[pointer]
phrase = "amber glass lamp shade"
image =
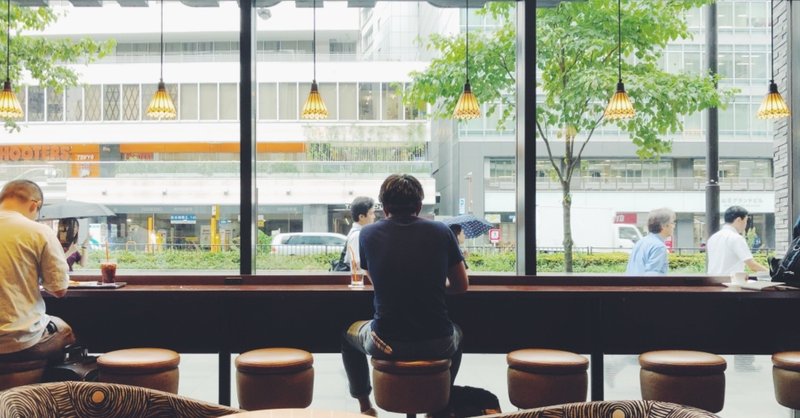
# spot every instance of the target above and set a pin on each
(161, 106)
(314, 107)
(620, 106)
(467, 106)
(773, 106)
(9, 105)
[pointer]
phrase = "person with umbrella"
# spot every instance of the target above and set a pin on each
(68, 229)
(29, 250)
(458, 231)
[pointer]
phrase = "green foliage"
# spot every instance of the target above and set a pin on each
(45, 60)
(617, 262)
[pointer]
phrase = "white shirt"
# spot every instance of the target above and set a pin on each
(28, 250)
(727, 251)
(352, 245)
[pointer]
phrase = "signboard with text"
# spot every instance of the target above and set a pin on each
(494, 235)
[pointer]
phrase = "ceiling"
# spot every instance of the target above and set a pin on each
(265, 3)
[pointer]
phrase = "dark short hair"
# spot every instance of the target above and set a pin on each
(401, 194)
(23, 190)
(360, 206)
(456, 228)
(658, 219)
(733, 213)
(68, 231)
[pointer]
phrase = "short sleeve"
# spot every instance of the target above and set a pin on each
(741, 249)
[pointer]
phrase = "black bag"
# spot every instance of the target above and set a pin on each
(339, 264)
(77, 365)
(787, 269)
(467, 401)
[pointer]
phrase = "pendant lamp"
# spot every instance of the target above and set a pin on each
(773, 106)
(620, 106)
(467, 106)
(9, 105)
(161, 106)
(314, 108)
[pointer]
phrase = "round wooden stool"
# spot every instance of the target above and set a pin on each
(411, 387)
(271, 378)
(786, 378)
(20, 373)
(541, 377)
(154, 368)
(692, 378)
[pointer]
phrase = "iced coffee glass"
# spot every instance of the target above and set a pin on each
(108, 271)
(357, 279)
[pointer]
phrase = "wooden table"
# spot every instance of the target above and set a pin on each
(582, 314)
(296, 413)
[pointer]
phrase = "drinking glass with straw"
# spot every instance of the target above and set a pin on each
(356, 277)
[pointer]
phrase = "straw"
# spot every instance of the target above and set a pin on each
(353, 265)
(107, 256)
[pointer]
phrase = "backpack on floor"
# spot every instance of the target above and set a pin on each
(77, 365)
(787, 269)
(467, 401)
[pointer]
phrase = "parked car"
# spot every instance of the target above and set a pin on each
(307, 243)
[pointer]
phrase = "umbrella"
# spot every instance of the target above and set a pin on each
(74, 209)
(472, 225)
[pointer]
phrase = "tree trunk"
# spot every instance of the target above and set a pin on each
(566, 205)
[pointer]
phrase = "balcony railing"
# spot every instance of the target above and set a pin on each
(658, 183)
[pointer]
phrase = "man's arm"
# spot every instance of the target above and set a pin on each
(457, 279)
(657, 263)
(754, 265)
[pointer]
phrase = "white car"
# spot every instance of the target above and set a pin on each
(307, 243)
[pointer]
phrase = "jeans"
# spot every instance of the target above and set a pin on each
(57, 335)
(359, 341)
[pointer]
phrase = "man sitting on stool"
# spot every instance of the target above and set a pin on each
(28, 249)
(412, 262)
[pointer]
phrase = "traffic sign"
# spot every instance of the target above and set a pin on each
(494, 235)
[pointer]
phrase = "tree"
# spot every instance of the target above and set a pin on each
(576, 55)
(45, 61)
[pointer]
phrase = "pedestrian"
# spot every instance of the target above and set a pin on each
(30, 254)
(727, 249)
(412, 263)
(649, 255)
(363, 212)
(68, 229)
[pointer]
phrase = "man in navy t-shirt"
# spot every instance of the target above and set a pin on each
(412, 263)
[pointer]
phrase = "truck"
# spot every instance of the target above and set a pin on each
(593, 230)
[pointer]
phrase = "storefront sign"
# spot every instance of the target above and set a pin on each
(35, 152)
(183, 219)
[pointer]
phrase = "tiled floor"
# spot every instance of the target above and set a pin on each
(749, 392)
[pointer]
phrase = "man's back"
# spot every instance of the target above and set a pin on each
(726, 251)
(408, 259)
(28, 250)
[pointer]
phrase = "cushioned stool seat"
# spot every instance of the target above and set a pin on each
(786, 378)
(692, 378)
(154, 368)
(541, 377)
(19, 373)
(411, 387)
(271, 378)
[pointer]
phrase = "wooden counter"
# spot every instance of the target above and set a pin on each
(584, 314)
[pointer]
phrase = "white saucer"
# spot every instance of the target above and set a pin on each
(752, 285)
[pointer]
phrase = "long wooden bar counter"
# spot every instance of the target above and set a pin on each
(584, 314)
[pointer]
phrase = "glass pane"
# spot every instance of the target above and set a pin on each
(267, 101)
(287, 101)
(74, 107)
(189, 104)
(228, 101)
(35, 104)
(111, 99)
(130, 102)
(55, 105)
(93, 102)
(348, 101)
(368, 95)
(392, 108)
(208, 101)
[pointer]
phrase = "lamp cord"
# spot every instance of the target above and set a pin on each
(8, 40)
(314, 41)
(772, 40)
(162, 41)
(467, 36)
(619, 39)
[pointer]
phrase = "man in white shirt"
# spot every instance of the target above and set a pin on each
(28, 251)
(363, 211)
(727, 249)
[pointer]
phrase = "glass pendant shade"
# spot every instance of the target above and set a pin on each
(467, 106)
(161, 106)
(620, 106)
(314, 107)
(773, 106)
(9, 105)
